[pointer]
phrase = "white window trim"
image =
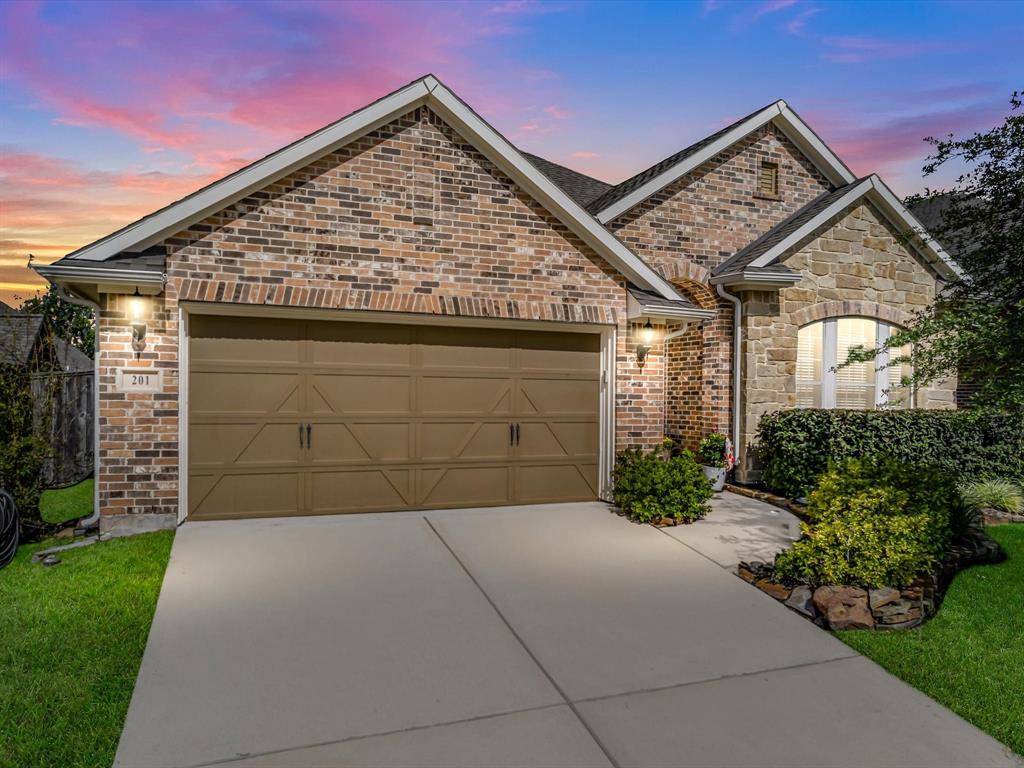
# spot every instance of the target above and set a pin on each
(830, 363)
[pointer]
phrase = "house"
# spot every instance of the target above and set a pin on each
(26, 341)
(404, 311)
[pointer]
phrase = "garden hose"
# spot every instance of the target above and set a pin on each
(8, 528)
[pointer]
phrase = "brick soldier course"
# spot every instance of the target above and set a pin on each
(413, 216)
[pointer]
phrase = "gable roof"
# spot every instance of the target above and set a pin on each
(761, 258)
(429, 91)
(19, 334)
(633, 191)
(580, 187)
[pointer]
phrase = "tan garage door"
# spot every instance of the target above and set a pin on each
(292, 417)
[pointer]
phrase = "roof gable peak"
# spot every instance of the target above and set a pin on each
(630, 193)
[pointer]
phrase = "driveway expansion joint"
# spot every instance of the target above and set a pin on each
(529, 651)
(347, 739)
(706, 680)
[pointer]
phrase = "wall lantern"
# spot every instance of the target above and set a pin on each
(647, 337)
(137, 312)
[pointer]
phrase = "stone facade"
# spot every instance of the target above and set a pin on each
(409, 218)
(854, 265)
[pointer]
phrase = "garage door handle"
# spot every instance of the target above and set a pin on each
(300, 436)
(517, 434)
(511, 434)
(309, 435)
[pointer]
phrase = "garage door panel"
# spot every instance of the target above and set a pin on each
(556, 482)
(548, 351)
(244, 444)
(360, 490)
(355, 345)
(235, 394)
(557, 397)
(558, 439)
(244, 495)
(225, 340)
(466, 348)
(461, 486)
(450, 441)
(362, 442)
(360, 394)
(465, 395)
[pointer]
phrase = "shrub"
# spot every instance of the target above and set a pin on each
(711, 450)
(874, 522)
(648, 487)
(796, 446)
(993, 494)
(22, 452)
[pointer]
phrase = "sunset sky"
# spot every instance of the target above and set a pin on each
(111, 110)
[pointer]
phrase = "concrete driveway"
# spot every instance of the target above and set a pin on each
(557, 635)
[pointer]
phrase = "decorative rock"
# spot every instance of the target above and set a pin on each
(900, 612)
(801, 600)
(773, 588)
(880, 597)
(746, 574)
(844, 607)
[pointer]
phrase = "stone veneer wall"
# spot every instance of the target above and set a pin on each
(685, 231)
(855, 265)
(409, 218)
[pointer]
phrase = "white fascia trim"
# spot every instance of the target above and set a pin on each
(797, 131)
(891, 208)
(756, 281)
(178, 216)
(667, 313)
(686, 165)
(898, 214)
(99, 275)
(498, 150)
(797, 235)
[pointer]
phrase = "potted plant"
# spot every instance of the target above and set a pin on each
(715, 452)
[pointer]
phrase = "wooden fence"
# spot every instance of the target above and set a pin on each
(72, 425)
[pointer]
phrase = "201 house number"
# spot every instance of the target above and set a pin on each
(135, 380)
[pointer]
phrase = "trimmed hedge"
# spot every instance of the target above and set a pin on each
(796, 446)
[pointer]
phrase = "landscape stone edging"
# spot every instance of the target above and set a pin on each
(840, 606)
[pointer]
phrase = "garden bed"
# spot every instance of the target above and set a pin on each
(844, 606)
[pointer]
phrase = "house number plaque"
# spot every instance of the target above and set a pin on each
(140, 380)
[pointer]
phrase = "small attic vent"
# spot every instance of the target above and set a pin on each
(768, 180)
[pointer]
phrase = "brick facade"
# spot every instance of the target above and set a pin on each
(854, 265)
(409, 218)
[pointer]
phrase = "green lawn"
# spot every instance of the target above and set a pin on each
(970, 657)
(63, 504)
(71, 639)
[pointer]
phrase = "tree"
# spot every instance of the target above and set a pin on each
(975, 327)
(68, 321)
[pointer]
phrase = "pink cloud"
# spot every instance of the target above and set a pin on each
(527, 7)
(796, 25)
(773, 6)
(558, 113)
(583, 155)
(856, 50)
(886, 146)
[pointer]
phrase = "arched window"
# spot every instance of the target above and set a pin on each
(821, 346)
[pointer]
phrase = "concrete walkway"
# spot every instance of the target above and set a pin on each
(558, 635)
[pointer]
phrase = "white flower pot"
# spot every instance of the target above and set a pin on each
(717, 477)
